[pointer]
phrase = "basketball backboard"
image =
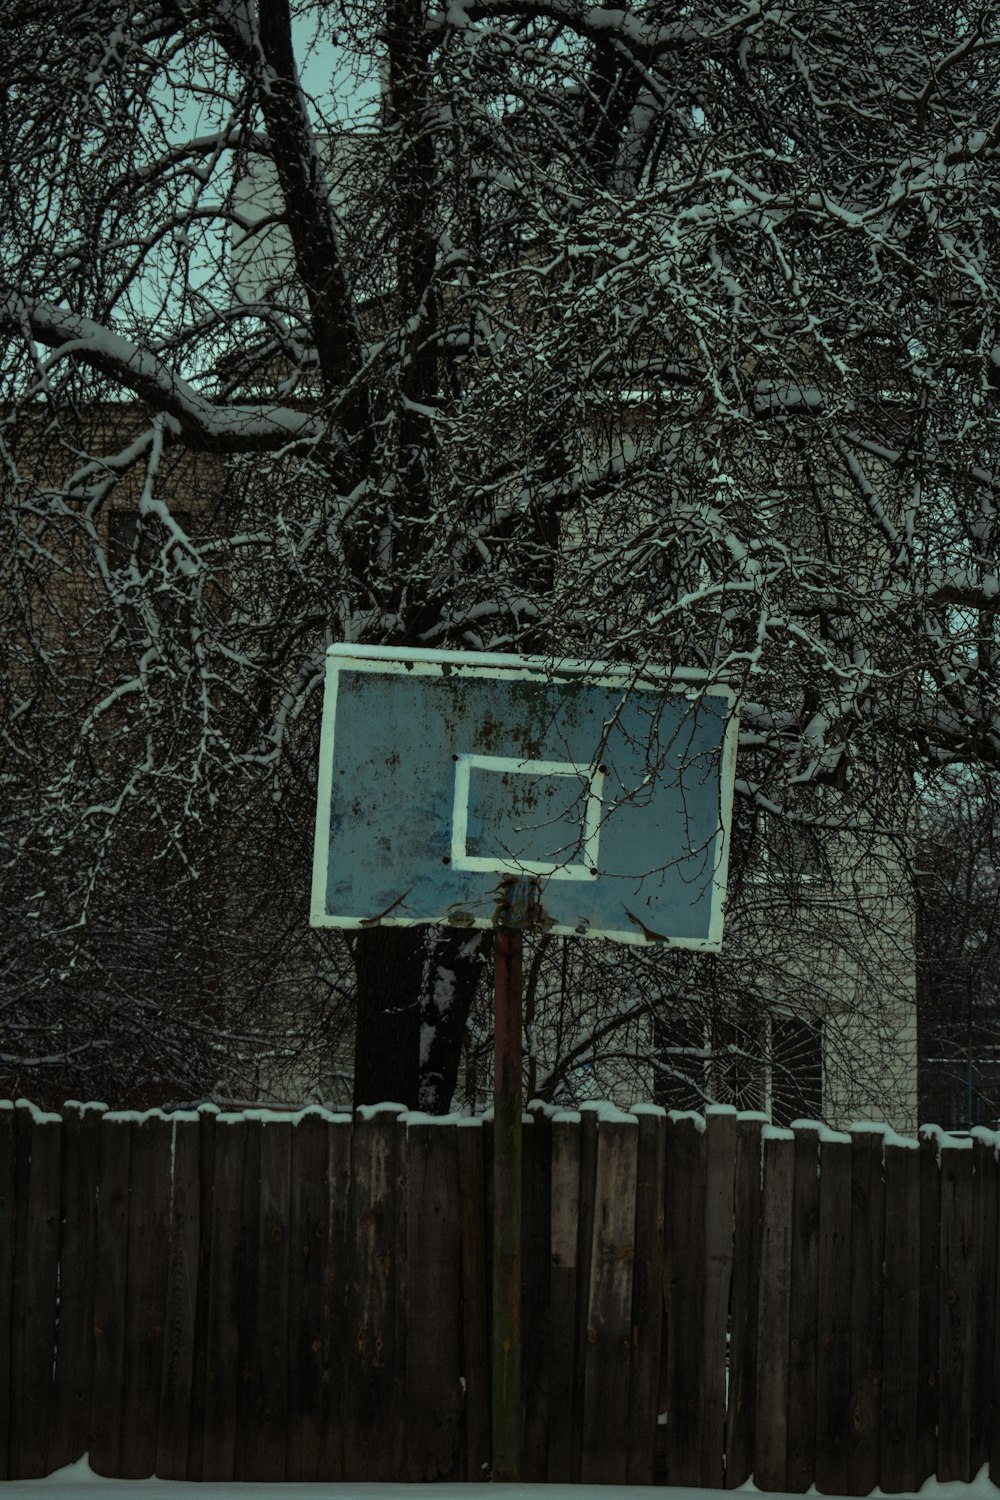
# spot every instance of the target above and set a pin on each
(440, 772)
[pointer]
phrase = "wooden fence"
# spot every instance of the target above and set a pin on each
(212, 1296)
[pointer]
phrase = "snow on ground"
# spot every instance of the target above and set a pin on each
(67, 1485)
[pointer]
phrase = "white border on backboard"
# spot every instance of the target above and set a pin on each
(591, 777)
(502, 667)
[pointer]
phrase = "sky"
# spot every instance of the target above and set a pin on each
(325, 72)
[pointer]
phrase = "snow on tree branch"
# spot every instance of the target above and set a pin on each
(244, 429)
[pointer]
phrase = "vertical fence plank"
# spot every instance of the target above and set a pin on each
(604, 1454)
(308, 1332)
(23, 1129)
(741, 1416)
(958, 1314)
(536, 1252)
(110, 1294)
(372, 1427)
(335, 1304)
(184, 1233)
(396, 1413)
(803, 1313)
(272, 1330)
(248, 1388)
(985, 1235)
(833, 1350)
(475, 1332)
(867, 1254)
(584, 1249)
(993, 1447)
(563, 1282)
(901, 1320)
(774, 1306)
(77, 1265)
(433, 1341)
(647, 1297)
(148, 1266)
(930, 1308)
(10, 1210)
(264, 1337)
(720, 1158)
(207, 1116)
(222, 1334)
(684, 1258)
(36, 1290)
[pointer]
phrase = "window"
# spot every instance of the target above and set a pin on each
(771, 1063)
(795, 1069)
(681, 1057)
(788, 851)
(737, 1068)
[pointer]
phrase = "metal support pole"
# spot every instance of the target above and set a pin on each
(507, 1410)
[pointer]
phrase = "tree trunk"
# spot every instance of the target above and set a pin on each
(415, 987)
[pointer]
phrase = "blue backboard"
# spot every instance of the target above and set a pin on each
(440, 772)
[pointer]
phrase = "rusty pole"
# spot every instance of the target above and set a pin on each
(514, 911)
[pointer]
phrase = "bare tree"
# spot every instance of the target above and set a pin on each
(958, 950)
(641, 334)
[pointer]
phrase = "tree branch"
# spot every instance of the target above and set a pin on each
(206, 427)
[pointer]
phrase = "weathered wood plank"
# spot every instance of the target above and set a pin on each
(401, 1301)
(248, 1273)
(535, 1260)
(222, 1335)
(833, 1350)
(207, 1115)
(23, 1131)
(10, 1210)
(741, 1416)
(684, 1260)
(475, 1330)
(74, 1373)
(901, 1320)
(308, 1329)
(335, 1305)
(584, 1248)
(433, 1262)
(184, 1232)
(800, 1467)
(264, 1338)
(993, 1448)
(720, 1161)
(647, 1297)
(985, 1237)
(956, 1361)
(110, 1299)
(930, 1308)
(604, 1456)
(563, 1281)
(36, 1290)
(146, 1281)
(774, 1310)
(373, 1432)
(867, 1254)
